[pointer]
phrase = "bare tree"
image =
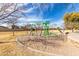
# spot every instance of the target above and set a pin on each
(12, 22)
(6, 10)
(10, 13)
(39, 27)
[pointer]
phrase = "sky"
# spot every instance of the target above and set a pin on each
(53, 12)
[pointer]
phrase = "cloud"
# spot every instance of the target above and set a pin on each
(28, 10)
(74, 8)
(24, 21)
(4, 25)
(58, 23)
(30, 19)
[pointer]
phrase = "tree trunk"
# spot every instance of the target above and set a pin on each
(41, 31)
(72, 30)
(13, 33)
(13, 29)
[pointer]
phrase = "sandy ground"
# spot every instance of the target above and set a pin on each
(12, 49)
(68, 48)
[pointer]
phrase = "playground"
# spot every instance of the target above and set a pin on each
(39, 29)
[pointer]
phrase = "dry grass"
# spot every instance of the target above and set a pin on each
(8, 48)
(8, 36)
(11, 49)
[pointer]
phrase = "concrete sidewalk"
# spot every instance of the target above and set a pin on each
(74, 36)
